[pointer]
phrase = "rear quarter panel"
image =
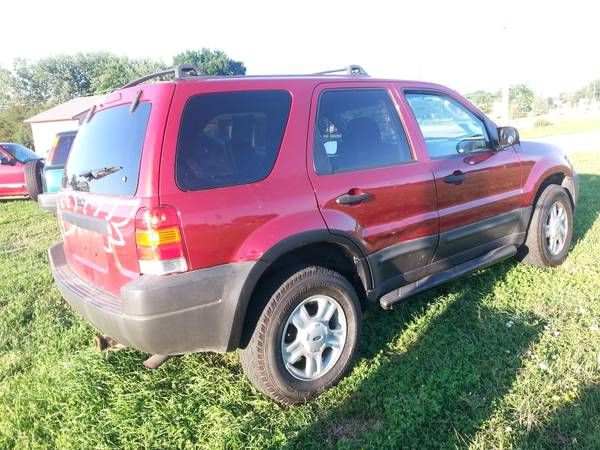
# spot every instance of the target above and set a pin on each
(240, 223)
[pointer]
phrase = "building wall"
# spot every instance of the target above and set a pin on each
(44, 133)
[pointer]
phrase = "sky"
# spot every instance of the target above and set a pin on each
(467, 45)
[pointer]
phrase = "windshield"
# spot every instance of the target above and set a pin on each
(20, 153)
(105, 156)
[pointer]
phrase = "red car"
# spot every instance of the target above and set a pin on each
(14, 159)
(264, 213)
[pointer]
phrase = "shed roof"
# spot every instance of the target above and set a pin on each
(70, 110)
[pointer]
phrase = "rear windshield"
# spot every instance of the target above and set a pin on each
(105, 157)
(230, 138)
(61, 151)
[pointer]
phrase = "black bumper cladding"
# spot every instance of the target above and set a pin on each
(168, 315)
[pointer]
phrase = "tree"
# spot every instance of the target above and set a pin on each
(211, 62)
(59, 78)
(540, 105)
(484, 100)
(521, 100)
(8, 92)
(12, 128)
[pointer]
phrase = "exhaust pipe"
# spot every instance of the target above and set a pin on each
(155, 361)
(102, 342)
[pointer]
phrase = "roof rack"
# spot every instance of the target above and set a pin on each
(183, 71)
(353, 70)
(180, 72)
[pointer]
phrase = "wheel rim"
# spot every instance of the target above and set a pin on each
(313, 337)
(556, 227)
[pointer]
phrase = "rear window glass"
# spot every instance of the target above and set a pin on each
(230, 138)
(105, 157)
(61, 151)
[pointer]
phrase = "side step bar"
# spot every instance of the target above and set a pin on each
(430, 281)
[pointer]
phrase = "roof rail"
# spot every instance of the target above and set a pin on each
(181, 71)
(353, 70)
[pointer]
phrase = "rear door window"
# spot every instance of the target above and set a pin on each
(230, 138)
(358, 129)
(105, 157)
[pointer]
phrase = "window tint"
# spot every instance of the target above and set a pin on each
(448, 127)
(358, 129)
(230, 138)
(105, 157)
(61, 151)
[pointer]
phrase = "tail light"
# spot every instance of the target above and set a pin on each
(158, 239)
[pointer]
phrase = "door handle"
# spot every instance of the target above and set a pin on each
(456, 177)
(351, 199)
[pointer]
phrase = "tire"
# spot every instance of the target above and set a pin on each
(33, 178)
(538, 250)
(263, 358)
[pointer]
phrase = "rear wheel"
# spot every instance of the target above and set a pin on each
(33, 178)
(305, 338)
(551, 229)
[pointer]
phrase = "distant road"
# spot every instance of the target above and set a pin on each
(588, 141)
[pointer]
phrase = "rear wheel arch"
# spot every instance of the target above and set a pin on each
(317, 247)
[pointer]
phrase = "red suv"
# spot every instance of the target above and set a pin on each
(264, 213)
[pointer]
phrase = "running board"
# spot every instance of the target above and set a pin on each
(430, 281)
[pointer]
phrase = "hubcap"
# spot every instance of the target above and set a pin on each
(313, 337)
(556, 227)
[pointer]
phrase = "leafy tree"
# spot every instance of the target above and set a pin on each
(12, 128)
(540, 105)
(211, 62)
(521, 100)
(60, 78)
(484, 100)
(8, 92)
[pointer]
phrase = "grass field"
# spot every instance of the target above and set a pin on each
(564, 125)
(509, 357)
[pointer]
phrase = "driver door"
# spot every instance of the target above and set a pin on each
(478, 188)
(12, 181)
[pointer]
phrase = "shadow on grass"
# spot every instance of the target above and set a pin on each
(437, 391)
(588, 205)
(574, 426)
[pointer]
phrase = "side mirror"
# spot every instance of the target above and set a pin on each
(4, 161)
(507, 136)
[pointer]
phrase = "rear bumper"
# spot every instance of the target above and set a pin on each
(168, 315)
(47, 202)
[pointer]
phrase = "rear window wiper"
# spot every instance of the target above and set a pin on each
(96, 174)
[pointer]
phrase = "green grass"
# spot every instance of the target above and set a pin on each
(509, 357)
(563, 126)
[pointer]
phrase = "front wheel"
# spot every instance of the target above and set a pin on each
(306, 337)
(551, 229)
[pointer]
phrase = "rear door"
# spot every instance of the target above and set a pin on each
(369, 183)
(478, 188)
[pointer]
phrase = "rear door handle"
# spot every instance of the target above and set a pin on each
(351, 199)
(456, 177)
